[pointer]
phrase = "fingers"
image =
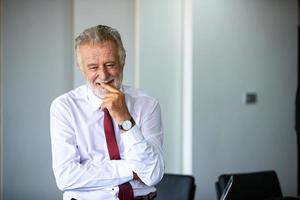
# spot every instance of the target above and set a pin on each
(112, 96)
(107, 101)
(114, 102)
(109, 88)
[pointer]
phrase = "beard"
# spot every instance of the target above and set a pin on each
(98, 90)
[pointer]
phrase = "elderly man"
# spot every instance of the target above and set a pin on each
(106, 137)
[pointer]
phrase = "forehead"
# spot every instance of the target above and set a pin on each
(93, 51)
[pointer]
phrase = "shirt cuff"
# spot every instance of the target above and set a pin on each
(133, 136)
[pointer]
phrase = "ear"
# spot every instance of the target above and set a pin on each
(122, 66)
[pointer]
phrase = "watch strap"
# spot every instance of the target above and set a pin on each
(132, 124)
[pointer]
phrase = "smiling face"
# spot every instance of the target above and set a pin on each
(100, 63)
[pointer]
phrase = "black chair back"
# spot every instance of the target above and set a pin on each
(176, 187)
(249, 186)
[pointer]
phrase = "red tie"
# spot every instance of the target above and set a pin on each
(125, 189)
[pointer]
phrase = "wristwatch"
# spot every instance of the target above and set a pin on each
(127, 124)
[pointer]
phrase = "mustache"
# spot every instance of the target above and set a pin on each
(104, 81)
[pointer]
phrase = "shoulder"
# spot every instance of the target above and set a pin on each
(142, 107)
(69, 98)
(140, 101)
(138, 94)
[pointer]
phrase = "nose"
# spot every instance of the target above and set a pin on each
(102, 73)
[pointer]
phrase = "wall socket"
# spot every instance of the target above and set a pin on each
(250, 98)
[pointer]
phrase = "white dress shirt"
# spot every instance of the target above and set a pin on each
(81, 163)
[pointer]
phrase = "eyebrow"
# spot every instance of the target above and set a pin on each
(91, 64)
(110, 62)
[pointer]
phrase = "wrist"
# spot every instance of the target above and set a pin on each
(122, 117)
(127, 124)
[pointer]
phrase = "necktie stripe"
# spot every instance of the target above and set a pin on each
(110, 136)
(125, 189)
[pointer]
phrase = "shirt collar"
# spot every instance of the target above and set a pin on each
(93, 99)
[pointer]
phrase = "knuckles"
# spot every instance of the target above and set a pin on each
(115, 102)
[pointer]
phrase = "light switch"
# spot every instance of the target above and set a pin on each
(250, 98)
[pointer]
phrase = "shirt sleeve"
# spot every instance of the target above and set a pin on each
(71, 173)
(143, 147)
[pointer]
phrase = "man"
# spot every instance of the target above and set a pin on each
(92, 158)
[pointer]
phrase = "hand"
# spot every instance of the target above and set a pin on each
(114, 102)
(136, 177)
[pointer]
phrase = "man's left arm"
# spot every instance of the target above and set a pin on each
(143, 147)
(143, 142)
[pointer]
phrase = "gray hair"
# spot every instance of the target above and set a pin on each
(100, 34)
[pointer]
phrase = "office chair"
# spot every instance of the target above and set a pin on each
(250, 186)
(176, 187)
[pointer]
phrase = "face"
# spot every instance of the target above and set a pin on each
(100, 63)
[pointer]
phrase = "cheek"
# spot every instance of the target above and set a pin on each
(90, 76)
(117, 74)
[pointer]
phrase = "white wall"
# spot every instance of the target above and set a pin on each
(242, 46)
(37, 67)
(160, 69)
(118, 14)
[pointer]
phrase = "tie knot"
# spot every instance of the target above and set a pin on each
(105, 111)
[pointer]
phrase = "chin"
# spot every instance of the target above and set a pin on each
(97, 90)
(99, 93)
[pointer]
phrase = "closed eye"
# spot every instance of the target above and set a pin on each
(92, 67)
(110, 65)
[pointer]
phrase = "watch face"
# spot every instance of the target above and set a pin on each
(126, 125)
